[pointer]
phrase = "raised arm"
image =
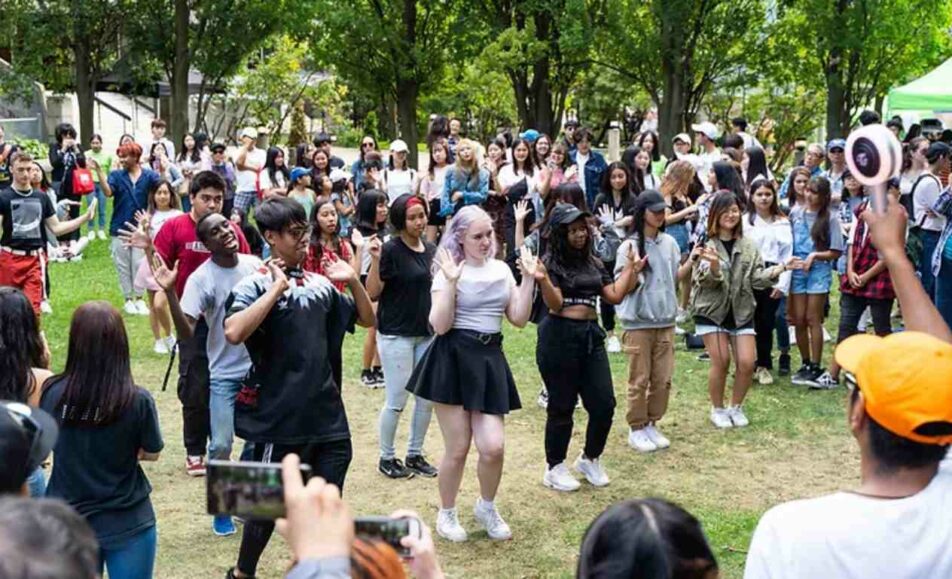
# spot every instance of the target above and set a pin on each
(520, 301)
(165, 277)
(443, 307)
(240, 326)
(374, 283)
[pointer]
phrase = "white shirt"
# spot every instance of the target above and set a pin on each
(482, 296)
(707, 161)
(581, 160)
(246, 180)
(399, 182)
(923, 198)
(264, 180)
(775, 242)
(847, 535)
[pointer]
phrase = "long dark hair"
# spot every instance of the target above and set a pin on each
(606, 183)
(638, 230)
(728, 179)
(98, 375)
(195, 156)
(820, 232)
(774, 203)
(561, 257)
(723, 200)
(367, 210)
(645, 538)
(636, 180)
(21, 347)
(528, 166)
(756, 166)
(572, 194)
(44, 179)
(316, 233)
(271, 166)
(656, 149)
(173, 197)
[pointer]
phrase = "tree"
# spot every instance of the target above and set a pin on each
(862, 48)
(679, 50)
(395, 48)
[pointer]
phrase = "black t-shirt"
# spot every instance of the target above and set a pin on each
(625, 209)
(96, 470)
(24, 215)
(580, 285)
(405, 302)
(290, 396)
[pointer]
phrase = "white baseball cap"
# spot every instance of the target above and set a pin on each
(706, 128)
(683, 137)
(249, 132)
(399, 146)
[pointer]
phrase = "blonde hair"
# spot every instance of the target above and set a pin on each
(677, 180)
(471, 167)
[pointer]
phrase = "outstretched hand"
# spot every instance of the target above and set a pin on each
(276, 267)
(134, 236)
(164, 276)
(339, 271)
(530, 264)
(451, 270)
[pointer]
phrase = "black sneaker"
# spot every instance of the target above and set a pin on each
(377, 373)
(803, 375)
(705, 357)
(231, 574)
(784, 365)
(393, 468)
(418, 464)
(368, 379)
(824, 381)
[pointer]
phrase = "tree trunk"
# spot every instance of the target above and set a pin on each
(179, 80)
(835, 103)
(674, 61)
(407, 93)
(85, 92)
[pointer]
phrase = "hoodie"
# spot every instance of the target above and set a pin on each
(654, 303)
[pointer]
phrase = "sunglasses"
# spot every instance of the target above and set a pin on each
(364, 145)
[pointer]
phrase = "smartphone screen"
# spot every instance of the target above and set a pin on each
(388, 530)
(252, 490)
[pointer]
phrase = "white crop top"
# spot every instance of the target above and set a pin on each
(482, 295)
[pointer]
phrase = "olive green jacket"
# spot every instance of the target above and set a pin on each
(741, 273)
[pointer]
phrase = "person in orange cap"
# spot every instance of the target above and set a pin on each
(898, 522)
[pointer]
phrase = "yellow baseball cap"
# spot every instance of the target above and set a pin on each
(906, 381)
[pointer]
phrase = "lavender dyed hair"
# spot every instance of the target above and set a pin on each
(453, 236)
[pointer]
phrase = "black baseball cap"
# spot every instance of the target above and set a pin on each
(650, 200)
(565, 213)
(217, 148)
(322, 138)
(27, 436)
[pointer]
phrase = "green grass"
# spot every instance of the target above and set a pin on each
(797, 446)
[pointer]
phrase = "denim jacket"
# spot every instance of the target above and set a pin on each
(594, 169)
(943, 206)
(457, 181)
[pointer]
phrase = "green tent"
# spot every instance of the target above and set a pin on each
(932, 92)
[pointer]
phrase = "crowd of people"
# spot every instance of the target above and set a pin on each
(241, 254)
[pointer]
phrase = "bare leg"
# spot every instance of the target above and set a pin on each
(745, 351)
(718, 347)
(160, 305)
(455, 425)
(370, 346)
(797, 315)
(489, 434)
(153, 317)
(815, 305)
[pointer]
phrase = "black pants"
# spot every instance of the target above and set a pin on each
(73, 214)
(227, 206)
(851, 310)
(608, 310)
(765, 318)
(193, 390)
(573, 362)
(328, 460)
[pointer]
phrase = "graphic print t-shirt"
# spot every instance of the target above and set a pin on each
(290, 396)
(23, 217)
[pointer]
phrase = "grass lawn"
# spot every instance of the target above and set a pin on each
(797, 446)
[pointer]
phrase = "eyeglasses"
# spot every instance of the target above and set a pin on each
(299, 232)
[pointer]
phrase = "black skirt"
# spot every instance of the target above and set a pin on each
(468, 369)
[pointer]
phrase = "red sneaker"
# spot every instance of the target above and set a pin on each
(195, 465)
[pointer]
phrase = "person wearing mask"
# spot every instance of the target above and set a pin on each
(249, 163)
(289, 402)
(399, 279)
(25, 216)
(103, 159)
(571, 352)
(591, 164)
(108, 426)
(928, 224)
(707, 134)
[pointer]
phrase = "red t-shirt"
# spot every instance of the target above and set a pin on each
(177, 241)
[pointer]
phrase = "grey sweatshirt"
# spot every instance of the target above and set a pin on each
(654, 303)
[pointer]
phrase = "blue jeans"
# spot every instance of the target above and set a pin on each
(221, 408)
(930, 239)
(36, 482)
(100, 207)
(133, 558)
(782, 327)
(399, 355)
(943, 291)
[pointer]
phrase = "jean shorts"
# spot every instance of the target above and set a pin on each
(703, 330)
(817, 281)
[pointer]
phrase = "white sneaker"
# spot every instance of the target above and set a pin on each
(560, 479)
(448, 527)
(613, 345)
(130, 308)
(763, 376)
(640, 441)
(592, 469)
(737, 416)
(92, 235)
(170, 342)
(659, 440)
(101, 235)
(160, 347)
(45, 307)
(543, 399)
(826, 335)
(679, 331)
(490, 520)
(141, 308)
(721, 418)
(683, 316)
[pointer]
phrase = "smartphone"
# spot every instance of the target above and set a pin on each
(252, 490)
(388, 530)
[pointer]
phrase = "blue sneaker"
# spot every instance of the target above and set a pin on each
(222, 525)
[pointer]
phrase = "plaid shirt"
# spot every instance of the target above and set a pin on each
(865, 257)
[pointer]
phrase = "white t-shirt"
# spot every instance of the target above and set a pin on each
(775, 242)
(846, 535)
(707, 161)
(159, 218)
(924, 197)
(206, 292)
(399, 182)
(482, 295)
(264, 181)
(246, 179)
(581, 160)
